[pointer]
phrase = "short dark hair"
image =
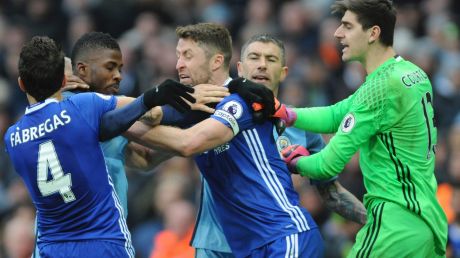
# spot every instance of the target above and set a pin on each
(266, 38)
(41, 67)
(371, 12)
(214, 38)
(92, 41)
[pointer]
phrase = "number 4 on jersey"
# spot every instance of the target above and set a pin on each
(48, 159)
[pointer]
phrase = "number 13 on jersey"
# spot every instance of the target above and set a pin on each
(48, 159)
(428, 113)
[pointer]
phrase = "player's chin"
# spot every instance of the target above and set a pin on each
(186, 81)
(111, 91)
(345, 58)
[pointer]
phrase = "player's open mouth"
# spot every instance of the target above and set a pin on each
(183, 76)
(260, 78)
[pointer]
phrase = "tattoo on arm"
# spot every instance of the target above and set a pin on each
(340, 200)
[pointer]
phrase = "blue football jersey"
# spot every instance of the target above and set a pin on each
(254, 196)
(114, 155)
(54, 148)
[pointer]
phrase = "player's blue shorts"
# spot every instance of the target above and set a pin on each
(206, 253)
(87, 249)
(308, 244)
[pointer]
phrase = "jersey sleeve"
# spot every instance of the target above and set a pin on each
(322, 119)
(99, 103)
(233, 112)
(358, 125)
(183, 120)
(315, 142)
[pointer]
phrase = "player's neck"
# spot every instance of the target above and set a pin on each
(377, 56)
(219, 78)
(57, 95)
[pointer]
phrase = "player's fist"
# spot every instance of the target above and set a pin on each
(171, 93)
(287, 115)
(291, 155)
(257, 96)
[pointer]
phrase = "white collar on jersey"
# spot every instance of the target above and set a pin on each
(40, 105)
(229, 79)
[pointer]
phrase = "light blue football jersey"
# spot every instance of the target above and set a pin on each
(255, 200)
(54, 148)
(114, 155)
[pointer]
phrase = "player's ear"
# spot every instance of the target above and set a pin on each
(21, 84)
(82, 69)
(374, 34)
(217, 61)
(284, 73)
(239, 66)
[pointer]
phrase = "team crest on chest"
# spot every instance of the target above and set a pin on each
(234, 108)
(348, 123)
(282, 142)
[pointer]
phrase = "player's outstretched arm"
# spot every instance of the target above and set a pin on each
(203, 136)
(119, 120)
(341, 201)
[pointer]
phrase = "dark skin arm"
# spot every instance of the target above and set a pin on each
(341, 201)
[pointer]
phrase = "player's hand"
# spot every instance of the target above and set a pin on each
(207, 96)
(291, 155)
(257, 96)
(285, 114)
(169, 92)
(74, 82)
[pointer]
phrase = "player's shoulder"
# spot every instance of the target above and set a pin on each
(234, 105)
(406, 73)
(232, 97)
(88, 97)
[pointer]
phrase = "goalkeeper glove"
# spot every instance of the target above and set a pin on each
(257, 96)
(291, 155)
(169, 92)
(287, 115)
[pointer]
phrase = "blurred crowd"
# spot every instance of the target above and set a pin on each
(163, 203)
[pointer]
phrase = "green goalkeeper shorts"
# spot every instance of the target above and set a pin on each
(393, 231)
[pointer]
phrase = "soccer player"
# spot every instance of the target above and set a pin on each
(55, 149)
(263, 61)
(252, 192)
(204, 52)
(389, 119)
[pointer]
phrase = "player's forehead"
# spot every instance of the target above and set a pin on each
(188, 45)
(105, 55)
(350, 17)
(263, 48)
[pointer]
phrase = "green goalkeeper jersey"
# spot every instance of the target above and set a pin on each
(390, 120)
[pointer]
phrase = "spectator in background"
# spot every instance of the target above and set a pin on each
(18, 235)
(174, 240)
